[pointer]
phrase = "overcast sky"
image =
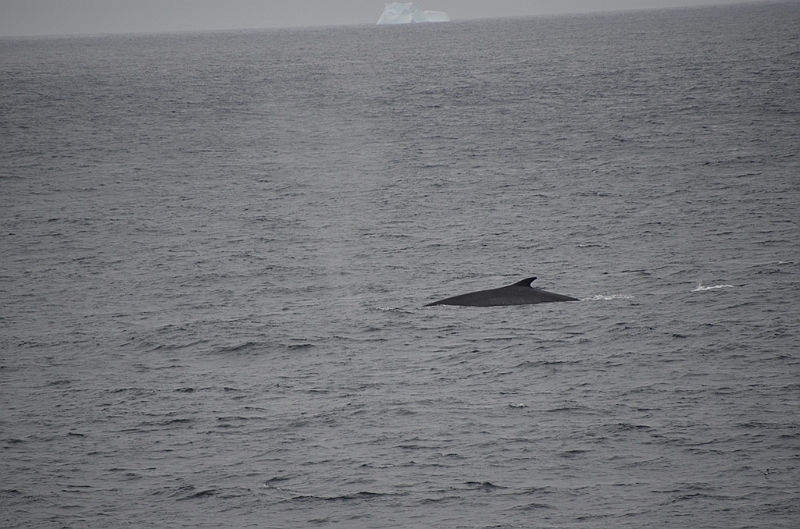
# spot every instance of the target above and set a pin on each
(63, 17)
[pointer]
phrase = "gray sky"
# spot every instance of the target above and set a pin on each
(62, 17)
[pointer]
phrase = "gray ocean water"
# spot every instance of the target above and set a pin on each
(216, 249)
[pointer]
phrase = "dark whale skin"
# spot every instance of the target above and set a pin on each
(520, 293)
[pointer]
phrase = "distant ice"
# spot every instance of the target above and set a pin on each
(406, 13)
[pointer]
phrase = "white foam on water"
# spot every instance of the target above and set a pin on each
(701, 288)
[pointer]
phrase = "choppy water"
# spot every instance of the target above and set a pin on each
(216, 248)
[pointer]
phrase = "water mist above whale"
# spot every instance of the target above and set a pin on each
(520, 293)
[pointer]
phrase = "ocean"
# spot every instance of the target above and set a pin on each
(216, 248)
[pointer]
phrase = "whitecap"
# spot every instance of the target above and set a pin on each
(604, 297)
(701, 288)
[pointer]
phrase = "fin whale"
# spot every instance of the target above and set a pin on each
(520, 293)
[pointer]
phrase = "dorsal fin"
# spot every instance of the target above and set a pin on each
(524, 282)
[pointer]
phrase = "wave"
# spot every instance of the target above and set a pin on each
(607, 297)
(701, 288)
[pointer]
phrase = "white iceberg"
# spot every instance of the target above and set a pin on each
(406, 13)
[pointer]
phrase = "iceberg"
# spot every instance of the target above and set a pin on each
(406, 13)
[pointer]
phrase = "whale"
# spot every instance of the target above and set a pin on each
(520, 293)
